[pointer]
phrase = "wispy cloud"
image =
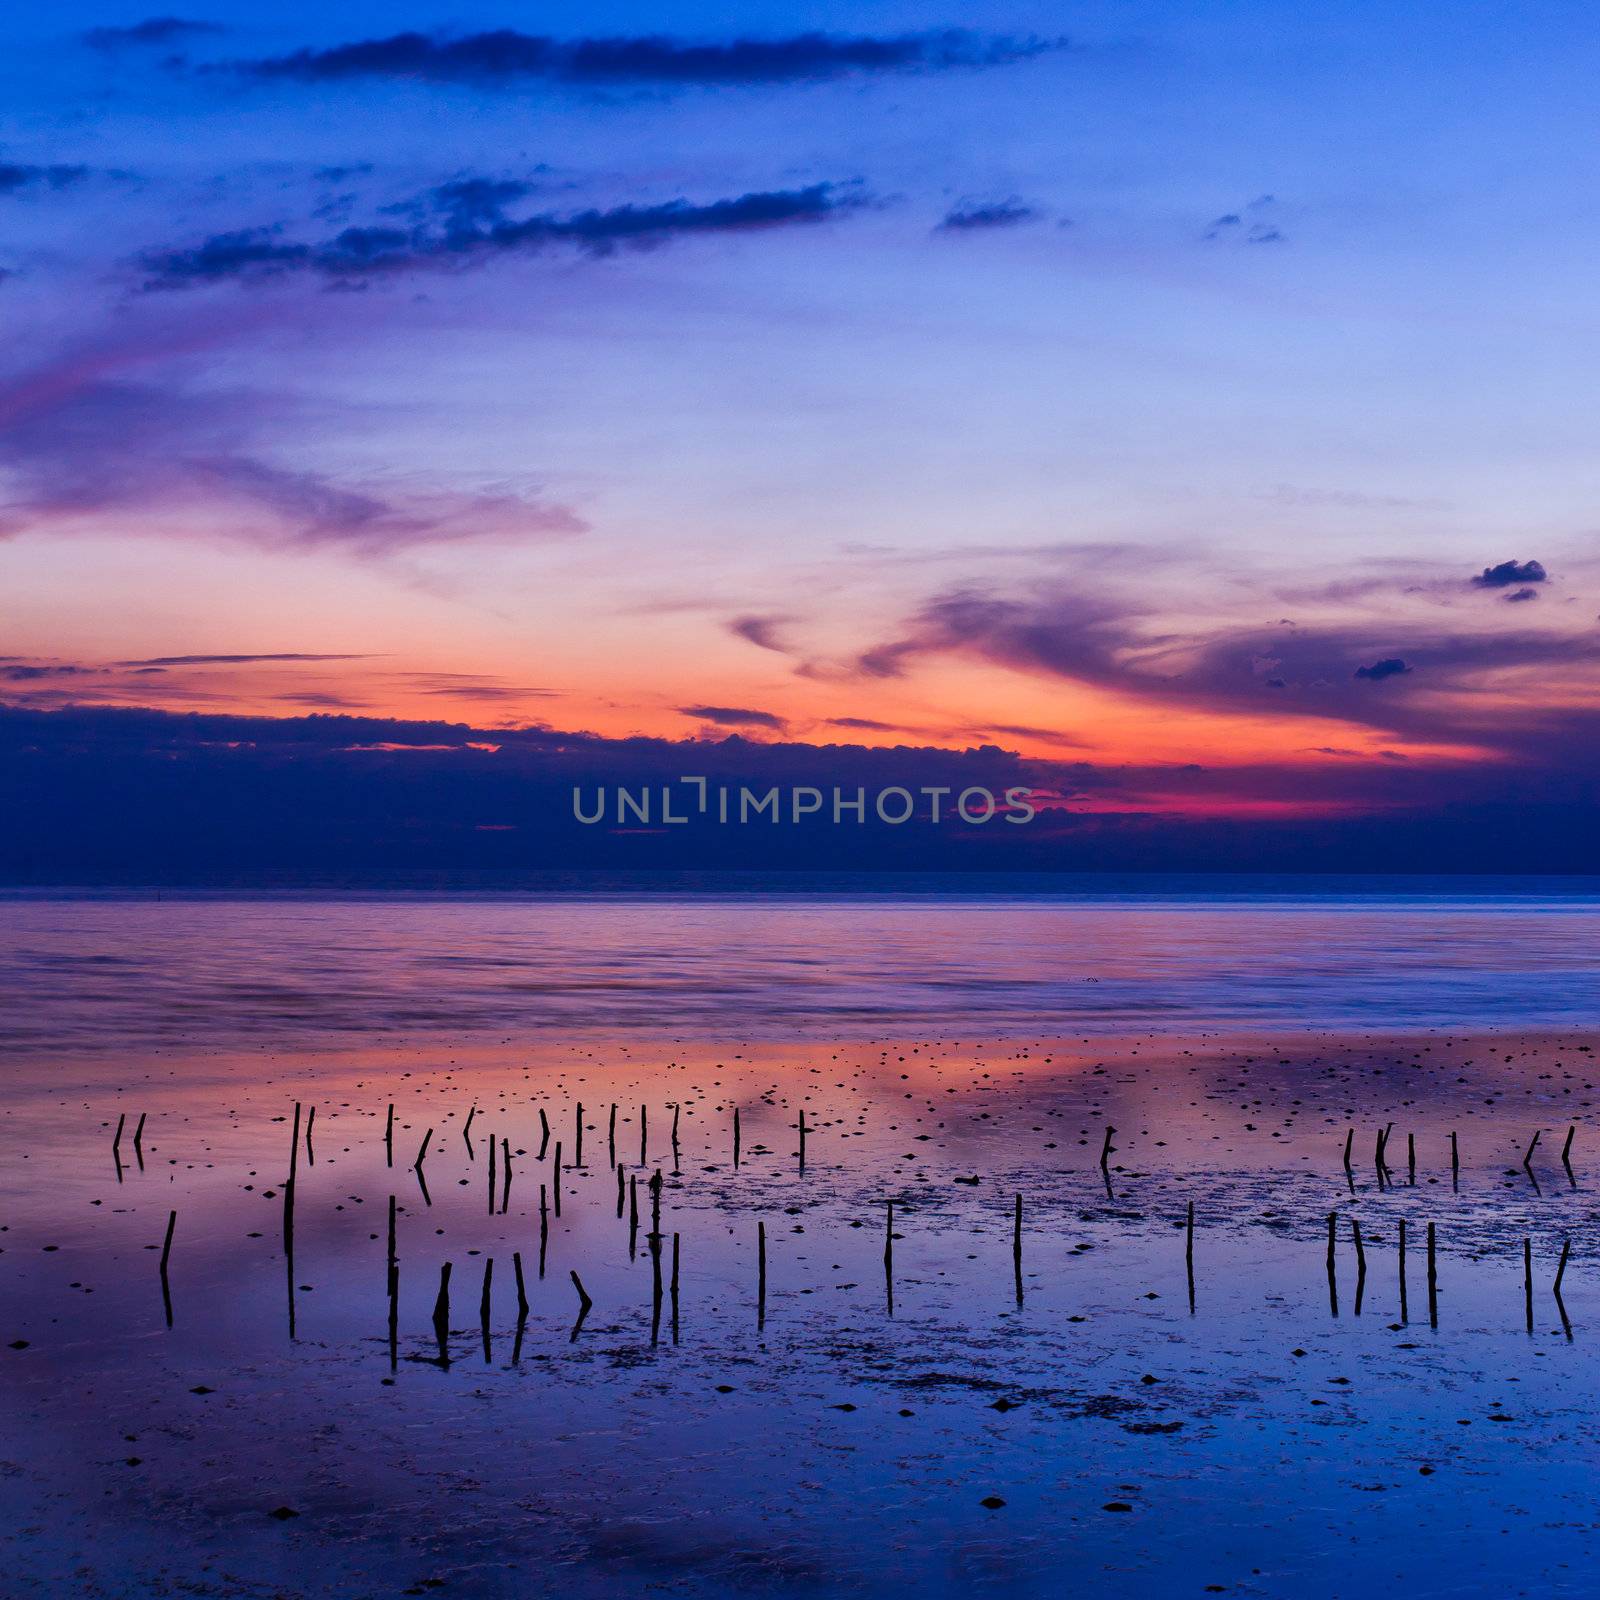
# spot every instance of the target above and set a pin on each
(478, 230)
(152, 31)
(505, 58)
(233, 661)
(977, 217)
(733, 716)
(79, 448)
(16, 177)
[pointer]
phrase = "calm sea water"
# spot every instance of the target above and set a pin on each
(103, 970)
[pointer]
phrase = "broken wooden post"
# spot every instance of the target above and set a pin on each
(674, 1288)
(1188, 1252)
(1433, 1281)
(1361, 1265)
(888, 1255)
(1405, 1315)
(441, 1315)
(1016, 1247)
(483, 1303)
(1333, 1282)
(1527, 1280)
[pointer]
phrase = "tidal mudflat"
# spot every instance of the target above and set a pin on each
(866, 1371)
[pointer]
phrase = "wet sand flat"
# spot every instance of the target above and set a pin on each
(924, 1393)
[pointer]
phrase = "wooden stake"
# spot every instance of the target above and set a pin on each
(1433, 1281)
(761, 1279)
(1404, 1308)
(888, 1255)
(1333, 1282)
(388, 1139)
(441, 1315)
(1527, 1280)
(1188, 1251)
(674, 1288)
(1016, 1247)
(1361, 1265)
(1528, 1158)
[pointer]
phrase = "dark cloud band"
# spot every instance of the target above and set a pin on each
(505, 57)
(467, 236)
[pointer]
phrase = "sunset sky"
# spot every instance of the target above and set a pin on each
(1163, 389)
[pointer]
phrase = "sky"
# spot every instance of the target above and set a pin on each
(1193, 402)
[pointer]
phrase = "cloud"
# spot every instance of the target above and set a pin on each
(1104, 622)
(864, 724)
(733, 716)
(1389, 667)
(31, 674)
(1251, 224)
(759, 631)
(199, 792)
(505, 58)
(230, 661)
(153, 31)
(1509, 573)
(16, 177)
(1521, 594)
(479, 231)
(72, 449)
(975, 218)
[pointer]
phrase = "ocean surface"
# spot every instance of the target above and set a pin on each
(95, 970)
(825, 1245)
